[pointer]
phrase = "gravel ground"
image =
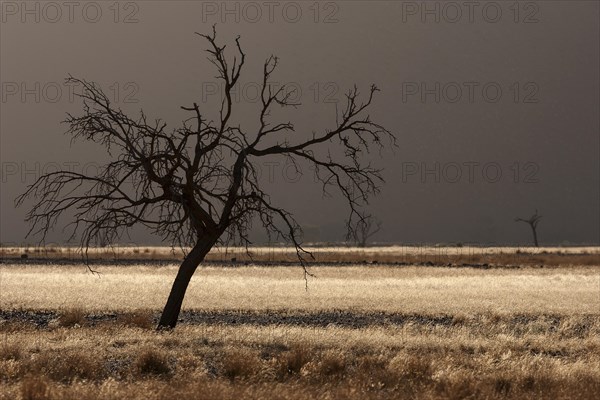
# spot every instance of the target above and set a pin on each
(346, 319)
(162, 263)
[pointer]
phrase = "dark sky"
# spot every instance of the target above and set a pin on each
(495, 106)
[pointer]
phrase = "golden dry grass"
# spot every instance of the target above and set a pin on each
(483, 356)
(499, 333)
(371, 288)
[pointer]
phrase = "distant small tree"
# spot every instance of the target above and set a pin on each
(197, 185)
(533, 223)
(365, 227)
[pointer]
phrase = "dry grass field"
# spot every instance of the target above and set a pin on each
(407, 255)
(489, 329)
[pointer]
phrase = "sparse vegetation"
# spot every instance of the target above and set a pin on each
(484, 356)
(72, 317)
(360, 332)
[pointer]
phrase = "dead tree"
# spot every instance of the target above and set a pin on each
(365, 227)
(533, 222)
(197, 186)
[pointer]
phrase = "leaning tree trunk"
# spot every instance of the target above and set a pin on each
(170, 313)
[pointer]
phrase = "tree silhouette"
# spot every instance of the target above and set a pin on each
(196, 186)
(533, 222)
(365, 227)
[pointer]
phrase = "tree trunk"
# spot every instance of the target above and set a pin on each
(170, 313)
(535, 241)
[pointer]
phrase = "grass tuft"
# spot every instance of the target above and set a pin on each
(72, 318)
(35, 388)
(240, 364)
(67, 367)
(11, 351)
(332, 363)
(152, 362)
(292, 361)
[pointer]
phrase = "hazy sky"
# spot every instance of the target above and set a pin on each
(495, 104)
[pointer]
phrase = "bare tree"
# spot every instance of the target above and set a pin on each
(533, 222)
(197, 185)
(365, 227)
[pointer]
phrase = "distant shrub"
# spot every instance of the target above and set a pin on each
(71, 318)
